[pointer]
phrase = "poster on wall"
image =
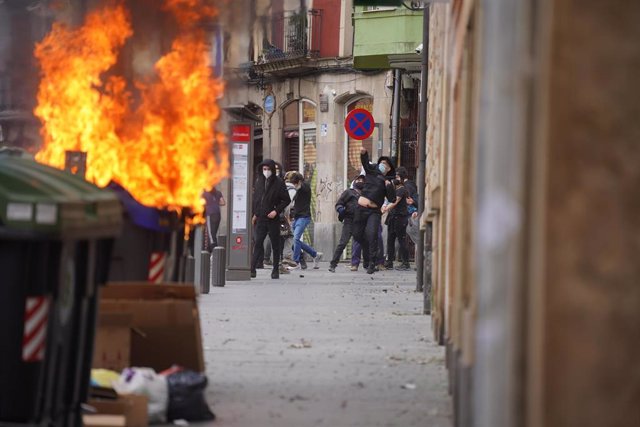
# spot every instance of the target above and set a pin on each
(240, 173)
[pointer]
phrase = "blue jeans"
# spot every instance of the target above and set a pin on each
(299, 225)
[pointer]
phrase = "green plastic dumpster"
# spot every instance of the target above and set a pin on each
(56, 233)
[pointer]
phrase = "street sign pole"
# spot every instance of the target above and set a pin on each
(422, 158)
(239, 209)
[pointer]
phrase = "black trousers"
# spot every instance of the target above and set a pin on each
(347, 231)
(397, 229)
(213, 223)
(265, 227)
(365, 230)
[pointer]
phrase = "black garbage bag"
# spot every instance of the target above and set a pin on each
(186, 397)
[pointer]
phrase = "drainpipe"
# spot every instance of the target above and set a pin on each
(395, 115)
(422, 144)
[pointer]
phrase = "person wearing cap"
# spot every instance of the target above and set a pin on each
(346, 207)
(270, 198)
(367, 219)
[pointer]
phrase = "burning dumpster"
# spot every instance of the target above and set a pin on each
(131, 92)
(56, 233)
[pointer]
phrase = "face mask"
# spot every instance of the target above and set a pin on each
(359, 185)
(382, 168)
(266, 174)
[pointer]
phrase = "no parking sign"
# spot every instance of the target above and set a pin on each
(359, 124)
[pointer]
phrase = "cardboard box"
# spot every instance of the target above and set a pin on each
(165, 319)
(113, 342)
(128, 410)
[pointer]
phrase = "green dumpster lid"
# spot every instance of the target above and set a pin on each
(36, 199)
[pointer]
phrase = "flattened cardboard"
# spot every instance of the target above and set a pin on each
(113, 341)
(132, 408)
(104, 421)
(166, 319)
(147, 291)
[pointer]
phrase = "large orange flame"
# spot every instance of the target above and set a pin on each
(166, 151)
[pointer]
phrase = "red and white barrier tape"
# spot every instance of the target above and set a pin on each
(156, 267)
(34, 337)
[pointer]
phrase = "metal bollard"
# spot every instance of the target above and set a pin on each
(190, 269)
(218, 266)
(205, 271)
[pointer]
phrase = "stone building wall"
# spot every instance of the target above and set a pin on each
(330, 180)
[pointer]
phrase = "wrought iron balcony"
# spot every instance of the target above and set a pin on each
(293, 35)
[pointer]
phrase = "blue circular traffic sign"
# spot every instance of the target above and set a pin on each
(359, 124)
(269, 104)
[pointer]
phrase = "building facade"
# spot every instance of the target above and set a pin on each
(305, 66)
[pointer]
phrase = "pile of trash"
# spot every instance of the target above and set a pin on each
(173, 395)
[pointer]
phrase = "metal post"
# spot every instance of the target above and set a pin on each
(205, 272)
(395, 114)
(422, 143)
(428, 265)
(190, 266)
(218, 266)
(198, 244)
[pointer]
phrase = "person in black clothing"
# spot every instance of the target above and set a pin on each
(270, 198)
(368, 214)
(397, 220)
(302, 218)
(411, 187)
(346, 207)
(213, 201)
(267, 242)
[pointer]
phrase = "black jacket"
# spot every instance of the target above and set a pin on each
(269, 194)
(302, 201)
(412, 189)
(376, 185)
(349, 201)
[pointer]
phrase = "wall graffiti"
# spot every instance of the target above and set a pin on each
(326, 191)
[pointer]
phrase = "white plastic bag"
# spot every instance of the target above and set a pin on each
(145, 381)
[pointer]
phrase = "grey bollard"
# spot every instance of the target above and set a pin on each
(218, 266)
(190, 269)
(205, 271)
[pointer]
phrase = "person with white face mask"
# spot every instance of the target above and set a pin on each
(367, 218)
(270, 198)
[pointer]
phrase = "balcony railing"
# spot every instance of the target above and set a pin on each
(293, 35)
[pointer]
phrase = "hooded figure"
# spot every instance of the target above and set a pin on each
(270, 198)
(270, 192)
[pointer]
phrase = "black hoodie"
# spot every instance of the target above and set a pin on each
(349, 202)
(269, 194)
(376, 185)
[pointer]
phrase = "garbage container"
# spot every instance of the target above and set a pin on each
(56, 232)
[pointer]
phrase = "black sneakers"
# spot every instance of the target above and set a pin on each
(332, 268)
(371, 269)
(253, 274)
(275, 274)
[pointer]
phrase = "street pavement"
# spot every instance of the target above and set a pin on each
(316, 348)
